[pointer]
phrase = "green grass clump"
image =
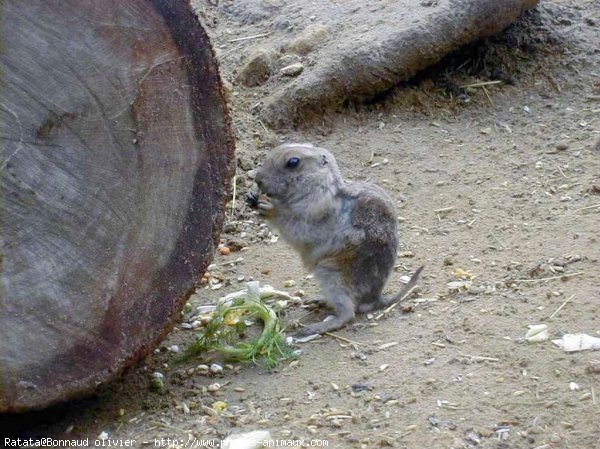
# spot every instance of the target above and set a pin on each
(226, 331)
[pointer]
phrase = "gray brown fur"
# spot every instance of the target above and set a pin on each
(345, 232)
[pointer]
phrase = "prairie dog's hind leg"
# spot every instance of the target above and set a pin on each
(337, 298)
(317, 301)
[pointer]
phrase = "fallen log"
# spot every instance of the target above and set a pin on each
(374, 52)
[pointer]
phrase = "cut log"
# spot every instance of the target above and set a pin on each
(115, 164)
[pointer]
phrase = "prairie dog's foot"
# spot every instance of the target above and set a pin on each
(342, 306)
(323, 327)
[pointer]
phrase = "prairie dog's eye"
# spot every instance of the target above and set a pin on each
(293, 162)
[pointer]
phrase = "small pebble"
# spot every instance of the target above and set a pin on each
(358, 355)
(585, 396)
(289, 283)
(503, 435)
(248, 440)
(472, 436)
(292, 69)
(174, 348)
(215, 368)
(103, 435)
(486, 433)
(224, 250)
(214, 387)
(312, 37)
(256, 69)
(573, 386)
(554, 438)
(157, 383)
(219, 406)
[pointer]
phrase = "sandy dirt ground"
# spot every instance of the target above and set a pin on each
(495, 185)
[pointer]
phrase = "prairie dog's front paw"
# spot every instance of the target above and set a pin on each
(265, 206)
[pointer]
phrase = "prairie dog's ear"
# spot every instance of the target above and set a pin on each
(324, 160)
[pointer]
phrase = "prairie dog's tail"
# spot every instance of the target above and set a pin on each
(386, 301)
(405, 290)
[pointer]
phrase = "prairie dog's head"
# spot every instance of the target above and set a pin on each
(294, 170)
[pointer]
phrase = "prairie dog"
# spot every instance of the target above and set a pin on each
(345, 232)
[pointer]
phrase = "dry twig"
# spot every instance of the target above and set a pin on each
(234, 195)
(588, 207)
(561, 306)
(444, 209)
(485, 91)
(481, 84)
(551, 278)
(479, 357)
(345, 340)
(254, 36)
(393, 306)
